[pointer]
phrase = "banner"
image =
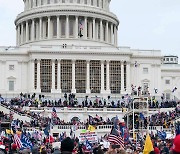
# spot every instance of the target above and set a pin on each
(90, 136)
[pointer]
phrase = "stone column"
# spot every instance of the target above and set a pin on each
(49, 27)
(76, 27)
(128, 82)
(16, 35)
(73, 77)
(115, 35)
(88, 77)
(22, 33)
(59, 76)
(122, 77)
(94, 29)
(58, 27)
(32, 76)
(19, 39)
(53, 76)
(101, 30)
(32, 30)
(40, 28)
(85, 27)
(107, 32)
(27, 31)
(107, 78)
(102, 76)
(112, 40)
(38, 76)
(67, 26)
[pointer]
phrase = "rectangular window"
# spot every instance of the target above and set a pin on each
(167, 81)
(35, 74)
(11, 67)
(66, 76)
(80, 76)
(46, 75)
(115, 76)
(78, 1)
(145, 70)
(11, 85)
(168, 96)
(56, 74)
(95, 76)
(85, 1)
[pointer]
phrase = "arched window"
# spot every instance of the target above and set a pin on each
(75, 119)
(97, 3)
(92, 2)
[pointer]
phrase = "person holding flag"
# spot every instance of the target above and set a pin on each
(148, 147)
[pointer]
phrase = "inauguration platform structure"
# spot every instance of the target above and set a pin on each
(137, 116)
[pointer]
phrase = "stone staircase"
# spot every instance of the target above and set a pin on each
(16, 115)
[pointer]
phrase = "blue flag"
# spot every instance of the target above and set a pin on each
(141, 115)
(88, 145)
(47, 130)
(26, 142)
(162, 135)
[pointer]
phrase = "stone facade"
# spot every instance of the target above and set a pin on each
(70, 46)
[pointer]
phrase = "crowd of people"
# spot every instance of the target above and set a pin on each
(71, 101)
(165, 119)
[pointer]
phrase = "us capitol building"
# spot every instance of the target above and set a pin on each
(70, 46)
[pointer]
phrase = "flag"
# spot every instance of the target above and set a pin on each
(54, 114)
(116, 140)
(141, 115)
(81, 24)
(116, 122)
(175, 88)
(47, 130)
(155, 90)
(8, 131)
(148, 147)
(91, 120)
(162, 135)
(135, 64)
(17, 141)
(37, 134)
(26, 143)
(91, 128)
(88, 145)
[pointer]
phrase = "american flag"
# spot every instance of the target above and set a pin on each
(54, 114)
(116, 140)
(17, 141)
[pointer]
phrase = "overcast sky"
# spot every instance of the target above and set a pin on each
(144, 24)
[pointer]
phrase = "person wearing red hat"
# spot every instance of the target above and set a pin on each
(176, 145)
(156, 150)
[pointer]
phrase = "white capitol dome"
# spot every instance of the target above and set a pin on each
(77, 22)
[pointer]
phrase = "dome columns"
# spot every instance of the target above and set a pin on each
(52, 27)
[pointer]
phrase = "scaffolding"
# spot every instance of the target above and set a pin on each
(137, 116)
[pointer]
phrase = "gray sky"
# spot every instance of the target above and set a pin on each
(144, 24)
